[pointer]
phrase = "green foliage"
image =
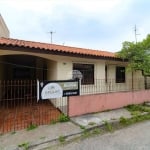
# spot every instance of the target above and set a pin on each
(31, 127)
(62, 139)
(43, 137)
(108, 126)
(53, 121)
(138, 55)
(82, 127)
(138, 108)
(96, 131)
(13, 132)
(124, 121)
(63, 118)
(86, 133)
(25, 146)
(135, 113)
(91, 123)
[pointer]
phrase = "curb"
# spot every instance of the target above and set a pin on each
(45, 143)
(72, 136)
(39, 145)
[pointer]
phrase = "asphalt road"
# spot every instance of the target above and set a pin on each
(135, 137)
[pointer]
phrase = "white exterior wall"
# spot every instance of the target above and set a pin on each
(4, 32)
(100, 70)
(60, 68)
(52, 70)
(134, 80)
(64, 70)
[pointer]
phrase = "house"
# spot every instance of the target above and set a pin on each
(100, 72)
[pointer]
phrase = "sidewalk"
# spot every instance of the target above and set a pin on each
(47, 135)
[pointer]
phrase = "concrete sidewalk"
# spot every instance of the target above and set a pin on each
(47, 135)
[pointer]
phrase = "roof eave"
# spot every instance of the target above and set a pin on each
(55, 52)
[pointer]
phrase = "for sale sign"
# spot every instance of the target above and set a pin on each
(57, 89)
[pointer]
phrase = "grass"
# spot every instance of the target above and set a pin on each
(63, 118)
(13, 132)
(43, 137)
(85, 133)
(62, 139)
(96, 131)
(31, 127)
(25, 146)
(91, 123)
(138, 115)
(108, 126)
(124, 121)
(53, 121)
(82, 127)
(138, 108)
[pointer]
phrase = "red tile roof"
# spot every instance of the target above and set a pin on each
(54, 48)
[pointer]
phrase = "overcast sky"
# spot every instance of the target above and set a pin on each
(93, 24)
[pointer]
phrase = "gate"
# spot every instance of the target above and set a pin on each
(19, 108)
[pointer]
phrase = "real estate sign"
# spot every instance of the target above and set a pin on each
(57, 89)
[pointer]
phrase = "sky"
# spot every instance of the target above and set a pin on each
(93, 24)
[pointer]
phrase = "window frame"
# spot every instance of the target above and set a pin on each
(120, 74)
(88, 75)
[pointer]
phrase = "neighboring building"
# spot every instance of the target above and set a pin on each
(4, 32)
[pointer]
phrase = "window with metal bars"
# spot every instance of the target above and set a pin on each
(120, 74)
(87, 71)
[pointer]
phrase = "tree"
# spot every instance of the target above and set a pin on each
(137, 54)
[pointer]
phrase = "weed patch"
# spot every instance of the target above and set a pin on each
(63, 118)
(96, 131)
(25, 146)
(82, 127)
(138, 108)
(91, 123)
(61, 139)
(108, 126)
(31, 127)
(53, 121)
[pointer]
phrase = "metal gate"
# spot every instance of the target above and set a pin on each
(19, 108)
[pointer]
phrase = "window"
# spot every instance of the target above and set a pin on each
(106, 72)
(120, 74)
(21, 73)
(87, 71)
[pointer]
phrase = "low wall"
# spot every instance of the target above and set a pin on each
(85, 104)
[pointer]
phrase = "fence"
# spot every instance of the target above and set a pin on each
(19, 108)
(101, 86)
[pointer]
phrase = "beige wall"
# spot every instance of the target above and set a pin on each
(51, 70)
(60, 68)
(64, 70)
(4, 32)
(100, 70)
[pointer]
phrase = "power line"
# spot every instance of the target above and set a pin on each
(24, 66)
(31, 67)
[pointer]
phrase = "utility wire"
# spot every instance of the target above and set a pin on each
(24, 66)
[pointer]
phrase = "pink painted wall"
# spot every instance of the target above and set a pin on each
(85, 104)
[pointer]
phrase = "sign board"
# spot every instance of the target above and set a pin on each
(57, 89)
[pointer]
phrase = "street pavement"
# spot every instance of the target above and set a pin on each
(135, 137)
(47, 135)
